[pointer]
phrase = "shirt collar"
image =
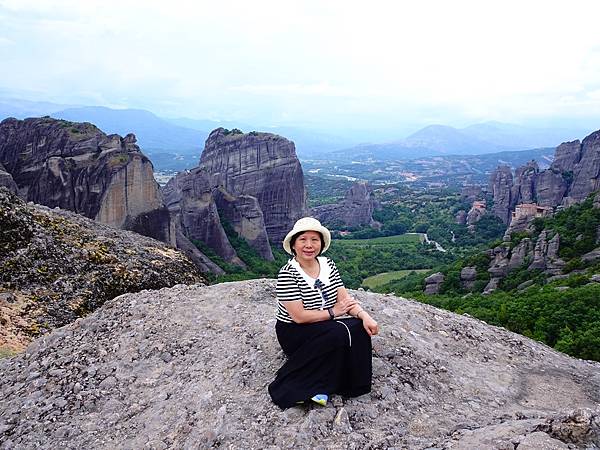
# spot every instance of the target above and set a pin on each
(324, 271)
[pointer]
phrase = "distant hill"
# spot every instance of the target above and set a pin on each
(478, 139)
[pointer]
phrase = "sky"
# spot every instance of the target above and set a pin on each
(325, 63)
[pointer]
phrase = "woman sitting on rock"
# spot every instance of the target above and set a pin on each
(326, 355)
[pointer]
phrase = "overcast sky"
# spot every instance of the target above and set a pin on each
(331, 63)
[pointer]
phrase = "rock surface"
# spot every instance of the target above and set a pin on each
(188, 367)
(77, 167)
(56, 266)
(355, 210)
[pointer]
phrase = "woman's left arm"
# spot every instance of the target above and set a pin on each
(370, 325)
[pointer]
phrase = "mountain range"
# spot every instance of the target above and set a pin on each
(477, 139)
(176, 144)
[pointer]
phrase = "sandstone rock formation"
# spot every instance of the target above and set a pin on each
(252, 181)
(261, 165)
(461, 217)
(433, 283)
(76, 166)
(7, 181)
(501, 182)
(475, 214)
(188, 367)
(355, 210)
(471, 193)
(545, 254)
(56, 266)
(567, 156)
(468, 275)
(189, 197)
(574, 174)
(586, 173)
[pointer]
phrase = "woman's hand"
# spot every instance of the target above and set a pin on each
(370, 325)
(343, 305)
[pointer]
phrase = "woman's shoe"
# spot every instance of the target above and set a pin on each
(320, 399)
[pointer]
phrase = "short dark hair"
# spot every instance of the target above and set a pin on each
(294, 237)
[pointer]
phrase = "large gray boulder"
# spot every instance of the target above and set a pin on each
(188, 367)
(77, 167)
(433, 283)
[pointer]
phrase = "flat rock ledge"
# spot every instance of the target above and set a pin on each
(187, 367)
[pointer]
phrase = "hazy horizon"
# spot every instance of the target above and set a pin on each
(389, 68)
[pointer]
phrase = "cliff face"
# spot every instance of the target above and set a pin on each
(355, 210)
(586, 173)
(501, 182)
(76, 166)
(573, 175)
(261, 165)
(57, 266)
(177, 364)
(252, 181)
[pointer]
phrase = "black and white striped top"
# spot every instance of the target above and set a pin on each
(295, 284)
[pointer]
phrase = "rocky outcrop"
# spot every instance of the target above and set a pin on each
(586, 173)
(475, 214)
(573, 175)
(245, 216)
(57, 266)
(524, 187)
(189, 197)
(468, 275)
(551, 187)
(566, 156)
(76, 166)
(545, 254)
(261, 165)
(461, 217)
(355, 210)
(433, 283)
(251, 182)
(501, 183)
(176, 368)
(6, 180)
(520, 253)
(471, 193)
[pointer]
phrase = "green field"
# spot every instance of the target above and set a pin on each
(397, 239)
(383, 278)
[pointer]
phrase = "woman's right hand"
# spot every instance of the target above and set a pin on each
(343, 305)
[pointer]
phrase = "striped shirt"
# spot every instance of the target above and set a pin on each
(295, 284)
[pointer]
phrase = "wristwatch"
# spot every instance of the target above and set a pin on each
(331, 315)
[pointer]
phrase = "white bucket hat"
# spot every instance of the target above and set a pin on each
(307, 224)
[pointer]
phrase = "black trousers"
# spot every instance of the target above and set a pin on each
(329, 357)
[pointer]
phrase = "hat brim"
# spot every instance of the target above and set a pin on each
(301, 229)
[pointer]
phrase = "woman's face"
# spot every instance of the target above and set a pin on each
(307, 246)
